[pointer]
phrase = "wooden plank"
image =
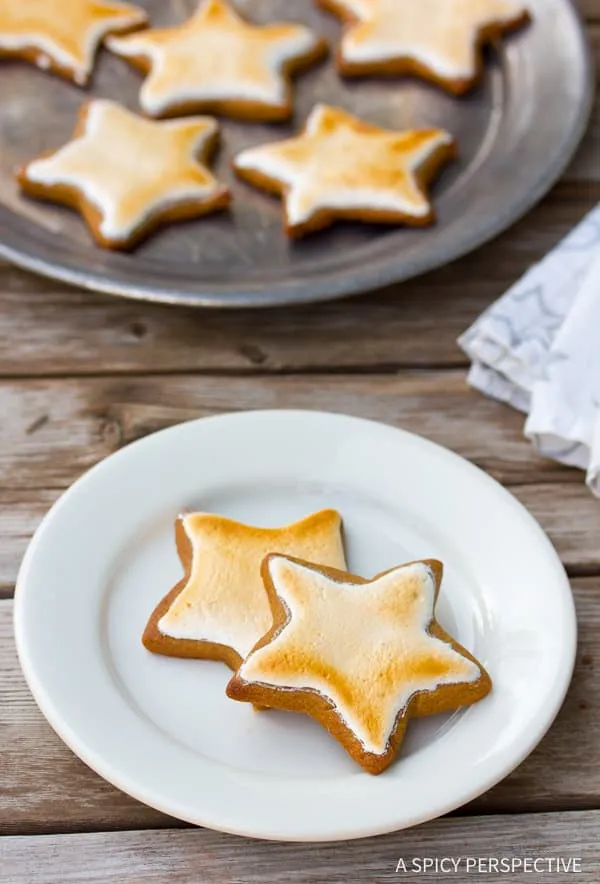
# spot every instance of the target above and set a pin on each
(590, 9)
(187, 857)
(21, 512)
(58, 428)
(50, 329)
(572, 521)
(47, 789)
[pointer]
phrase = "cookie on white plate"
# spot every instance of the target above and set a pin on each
(220, 608)
(359, 656)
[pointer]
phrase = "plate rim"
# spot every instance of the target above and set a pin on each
(336, 284)
(107, 770)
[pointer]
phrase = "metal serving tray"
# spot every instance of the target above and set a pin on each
(516, 134)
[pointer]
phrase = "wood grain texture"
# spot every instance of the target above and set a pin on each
(47, 789)
(20, 514)
(44, 787)
(188, 857)
(49, 329)
(590, 9)
(60, 428)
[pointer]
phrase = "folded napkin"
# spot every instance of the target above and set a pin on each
(538, 348)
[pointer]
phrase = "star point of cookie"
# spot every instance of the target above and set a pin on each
(359, 656)
(220, 609)
(439, 40)
(341, 167)
(127, 175)
(62, 36)
(220, 63)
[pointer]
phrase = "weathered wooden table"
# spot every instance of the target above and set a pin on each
(82, 375)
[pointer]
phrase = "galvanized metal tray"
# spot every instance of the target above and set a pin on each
(516, 134)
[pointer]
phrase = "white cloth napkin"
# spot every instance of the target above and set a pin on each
(538, 348)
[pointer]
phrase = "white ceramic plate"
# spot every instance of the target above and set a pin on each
(163, 730)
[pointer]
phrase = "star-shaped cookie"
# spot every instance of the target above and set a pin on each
(342, 167)
(359, 656)
(127, 175)
(220, 609)
(439, 40)
(61, 35)
(220, 63)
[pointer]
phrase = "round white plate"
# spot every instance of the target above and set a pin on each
(163, 730)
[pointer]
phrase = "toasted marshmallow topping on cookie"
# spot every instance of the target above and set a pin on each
(440, 36)
(128, 168)
(340, 166)
(365, 647)
(217, 56)
(61, 33)
(224, 600)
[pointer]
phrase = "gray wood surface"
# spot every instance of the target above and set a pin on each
(83, 374)
(589, 9)
(194, 856)
(58, 428)
(65, 331)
